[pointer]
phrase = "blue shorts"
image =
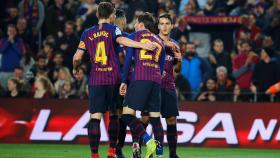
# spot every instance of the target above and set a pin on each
(169, 103)
(103, 98)
(143, 95)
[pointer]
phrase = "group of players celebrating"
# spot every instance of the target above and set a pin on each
(146, 80)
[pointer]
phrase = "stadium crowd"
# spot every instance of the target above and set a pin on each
(38, 39)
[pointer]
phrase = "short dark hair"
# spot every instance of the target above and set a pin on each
(148, 20)
(40, 56)
(120, 14)
(218, 40)
(71, 23)
(245, 41)
(12, 26)
(167, 16)
(51, 45)
(105, 9)
(58, 53)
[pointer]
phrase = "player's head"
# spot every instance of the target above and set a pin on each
(145, 21)
(165, 24)
(106, 11)
(120, 18)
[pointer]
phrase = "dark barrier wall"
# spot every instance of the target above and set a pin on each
(250, 125)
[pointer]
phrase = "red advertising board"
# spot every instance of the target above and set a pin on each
(248, 125)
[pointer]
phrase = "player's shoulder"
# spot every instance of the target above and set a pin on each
(133, 35)
(174, 41)
(89, 29)
(159, 39)
(125, 34)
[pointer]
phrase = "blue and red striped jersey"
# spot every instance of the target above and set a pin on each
(148, 64)
(168, 76)
(100, 42)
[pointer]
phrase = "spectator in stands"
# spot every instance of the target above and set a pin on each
(63, 76)
(33, 11)
(22, 30)
(195, 69)
(273, 30)
(135, 5)
(48, 49)
(40, 66)
(43, 88)
(120, 4)
(189, 10)
(224, 85)
(87, 11)
(80, 83)
(272, 12)
(14, 87)
(240, 8)
(249, 30)
(208, 91)
(219, 57)
(11, 50)
(197, 4)
(180, 29)
(266, 73)
(259, 11)
(12, 17)
(56, 15)
(67, 43)
(67, 91)
(243, 65)
(55, 65)
(25, 85)
(211, 7)
(236, 94)
(27, 61)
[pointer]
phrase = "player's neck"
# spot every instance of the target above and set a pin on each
(102, 21)
(164, 37)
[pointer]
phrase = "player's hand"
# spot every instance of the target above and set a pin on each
(163, 74)
(149, 46)
(123, 89)
(170, 44)
(178, 55)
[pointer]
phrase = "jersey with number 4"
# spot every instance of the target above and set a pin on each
(148, 64)
(100, 42)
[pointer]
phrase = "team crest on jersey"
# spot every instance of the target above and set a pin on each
(169, 58)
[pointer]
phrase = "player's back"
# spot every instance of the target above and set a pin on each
(100, 43)
(148, 63)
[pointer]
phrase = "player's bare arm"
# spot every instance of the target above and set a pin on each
(178, 56)
(77, 60)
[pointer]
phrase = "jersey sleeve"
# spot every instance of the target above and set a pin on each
(82, 45)
(117, 33)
